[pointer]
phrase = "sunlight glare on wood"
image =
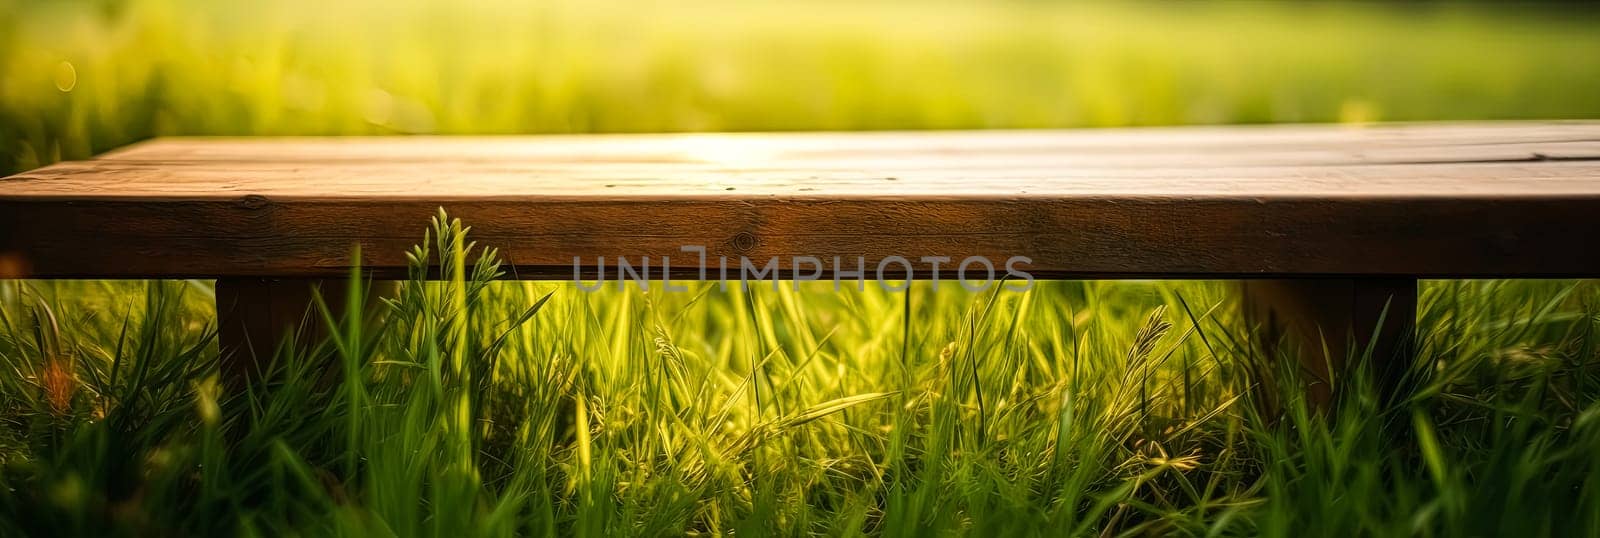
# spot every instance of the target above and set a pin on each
(731, 151)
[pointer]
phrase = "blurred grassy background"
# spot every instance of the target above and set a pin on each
(1079, 408)
(80, 77)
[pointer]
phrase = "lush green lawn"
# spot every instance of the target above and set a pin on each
(81, 76)
(1089, 408)
(1077, 408)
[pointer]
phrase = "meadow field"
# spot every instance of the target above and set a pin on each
(471, 406)
(78, 77)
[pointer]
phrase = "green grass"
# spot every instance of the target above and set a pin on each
(79, 77)
(470, 407)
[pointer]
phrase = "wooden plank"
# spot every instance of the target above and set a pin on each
(1096, 238)
(1478, 200)
(288, 181)
(1281, 144)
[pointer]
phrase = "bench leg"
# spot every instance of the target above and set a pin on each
(1314, 314)
(255, 315)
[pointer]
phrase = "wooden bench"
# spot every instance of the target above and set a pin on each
(1329, 223)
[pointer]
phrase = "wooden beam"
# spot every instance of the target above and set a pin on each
(1100, 237)
(255, 316)
(1328, 321)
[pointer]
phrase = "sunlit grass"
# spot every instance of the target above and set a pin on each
(467, 407)
(82, 77)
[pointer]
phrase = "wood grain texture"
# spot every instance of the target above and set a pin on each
(1452, 200)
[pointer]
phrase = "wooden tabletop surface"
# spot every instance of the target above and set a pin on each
(1541, 159)
(1481, 199)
